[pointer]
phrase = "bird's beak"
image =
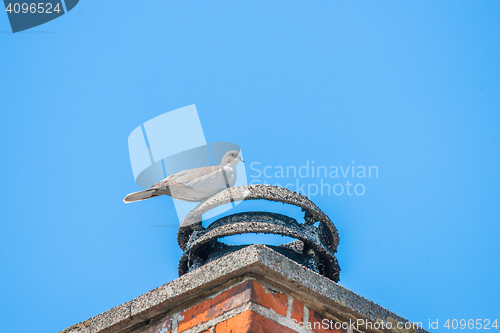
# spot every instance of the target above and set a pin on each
(240, 158)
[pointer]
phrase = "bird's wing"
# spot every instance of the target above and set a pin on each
(211, 182)
(185, 177)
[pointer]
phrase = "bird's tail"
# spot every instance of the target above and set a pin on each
(141, 195)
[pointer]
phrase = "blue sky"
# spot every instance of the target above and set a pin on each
(411, 87)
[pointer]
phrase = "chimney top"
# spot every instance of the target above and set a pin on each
(315, 247)
(253, 286)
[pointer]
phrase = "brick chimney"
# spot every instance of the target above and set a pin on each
(255, 288)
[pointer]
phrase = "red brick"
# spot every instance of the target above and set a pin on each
(213, 307)
(158, 327)
(270, 299)
(316, 322)
(250, 322)
(249, 291)
(297, 311)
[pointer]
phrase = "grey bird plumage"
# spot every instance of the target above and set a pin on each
(194, 185)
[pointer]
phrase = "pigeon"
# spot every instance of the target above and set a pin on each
(194, 185)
